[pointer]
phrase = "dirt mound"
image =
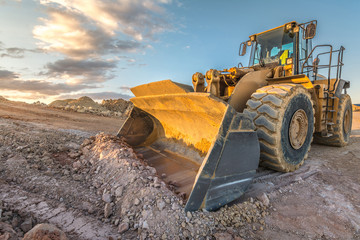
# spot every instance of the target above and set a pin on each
(136, 198)
(116, 105)
(86, 104)
(82, 102)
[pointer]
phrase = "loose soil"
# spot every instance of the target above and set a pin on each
(68, 169)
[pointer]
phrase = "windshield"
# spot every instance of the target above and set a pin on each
(273, 47)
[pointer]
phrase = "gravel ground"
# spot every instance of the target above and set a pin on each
(92, 185)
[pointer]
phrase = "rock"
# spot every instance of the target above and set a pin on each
(160, 204)
(264, 199)
(26, 225)
(116, 222)
(77, 177)
(119, 191)
(7, 232)
(188, 214)
(106, 197)
(15, 222)
(298, 179)
(45, 232)
(77, 165)
(86, 142)
(73, 146)
(145, 225)
(136, 202)
(238, 238)
(107, 210)
(174, 206)
(89, 207)
(223, 236)
(123, 227)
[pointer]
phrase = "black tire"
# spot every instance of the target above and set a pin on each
(342, 127)
(274, 109)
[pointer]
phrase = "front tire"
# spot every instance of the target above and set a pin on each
(283, 115)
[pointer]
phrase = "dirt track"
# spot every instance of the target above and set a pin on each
(319, 201)
(58, 118)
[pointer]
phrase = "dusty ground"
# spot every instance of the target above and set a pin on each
(53, 171)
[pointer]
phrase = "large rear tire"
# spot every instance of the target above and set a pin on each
(283, 115)
(342, 127)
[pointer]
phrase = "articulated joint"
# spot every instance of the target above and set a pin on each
(198, 80)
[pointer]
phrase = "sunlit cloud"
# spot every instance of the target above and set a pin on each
(90, 28)
(89, 40)
(137, 18)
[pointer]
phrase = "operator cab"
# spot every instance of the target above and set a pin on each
(289, 44)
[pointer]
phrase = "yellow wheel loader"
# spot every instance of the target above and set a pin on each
(209, 139)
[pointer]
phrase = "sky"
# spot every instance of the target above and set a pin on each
(58, 49)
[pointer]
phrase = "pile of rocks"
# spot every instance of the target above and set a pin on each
(87, 105)
(116, 105)
(135, 198)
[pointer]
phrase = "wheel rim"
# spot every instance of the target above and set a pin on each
(298, 129)
(347, 120)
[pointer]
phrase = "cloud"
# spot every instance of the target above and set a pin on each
(15, 52)
(5, 74)
(125, 88)
(81, 71)
(10, 81)
(97, 95)
(91, 28)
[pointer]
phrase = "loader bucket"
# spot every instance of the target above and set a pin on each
(206, 149)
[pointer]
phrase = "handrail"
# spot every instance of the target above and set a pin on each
(338, 65)
(330, 58)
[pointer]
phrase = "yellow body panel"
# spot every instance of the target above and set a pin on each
(305, 81)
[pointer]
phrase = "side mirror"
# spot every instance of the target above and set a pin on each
(242, 49)
(310, 31)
